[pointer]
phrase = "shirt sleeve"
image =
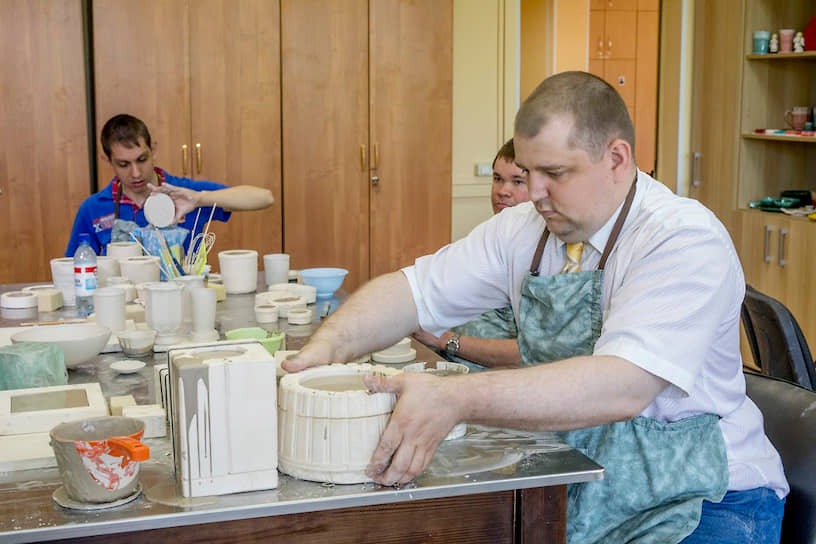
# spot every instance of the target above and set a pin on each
(219, 214)
(461, 280)
(677, 291)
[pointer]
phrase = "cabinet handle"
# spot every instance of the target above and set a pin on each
(782, 234)
(184, 160)
(609, 49)
(695, 163)
(362, 157)
(376, 156)
(199, 160)
(766, 248)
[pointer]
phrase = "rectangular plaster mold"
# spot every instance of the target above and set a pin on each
(223, 418)
(25, 452)
(38, 409)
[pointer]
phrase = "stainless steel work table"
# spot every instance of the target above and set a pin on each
(490, 486)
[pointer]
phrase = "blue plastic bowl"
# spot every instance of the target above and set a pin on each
(325, 280)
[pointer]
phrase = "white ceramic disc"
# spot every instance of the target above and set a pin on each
(61, 497)
(127, 366)
(18, 299)
(159, 210)
(387, 357)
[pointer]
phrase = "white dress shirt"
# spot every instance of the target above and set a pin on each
(671, 298)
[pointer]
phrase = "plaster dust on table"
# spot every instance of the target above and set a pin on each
(484, 449)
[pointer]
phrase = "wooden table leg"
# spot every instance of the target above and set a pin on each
(541, 515)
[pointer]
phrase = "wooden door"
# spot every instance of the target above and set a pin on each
(235, 104)
(141, 64)
(715, 97)
(800, 264)
(324, 75)
(761, 251)
(411, 110)
(44, 174)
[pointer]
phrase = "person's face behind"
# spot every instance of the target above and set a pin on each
(133, 165)
(509, 185)
(573, 194)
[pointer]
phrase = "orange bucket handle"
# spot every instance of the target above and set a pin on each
(124, 445)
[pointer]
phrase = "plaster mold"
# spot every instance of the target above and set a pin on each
(38, 409)
(329, 423)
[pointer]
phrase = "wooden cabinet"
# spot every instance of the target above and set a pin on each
(205, 78)
(44, 172)
(735, 94)
(623, 46)
(367, 96)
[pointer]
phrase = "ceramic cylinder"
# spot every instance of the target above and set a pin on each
(125, 285)
(239, 270)
(163, 310)
(761, 40)
(786, 40)
(62, 275)
(106, 268)
(121, 250)
(276, 268)
(203, 308)
(109, 306)
(140, 269)
(266, 313)
(188, 283)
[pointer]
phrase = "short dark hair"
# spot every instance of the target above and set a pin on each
(506, 152)
(598, 112)
(123, 129)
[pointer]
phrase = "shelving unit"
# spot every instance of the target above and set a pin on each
(778, 252)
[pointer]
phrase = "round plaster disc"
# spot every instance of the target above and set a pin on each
(18, 299)
(159, 210)
(385, 357)
(61, 497)
(127, 366)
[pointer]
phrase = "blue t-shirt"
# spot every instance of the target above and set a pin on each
(96, 214)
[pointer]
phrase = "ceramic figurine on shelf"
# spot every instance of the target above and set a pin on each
(799, 43)
(773, 45)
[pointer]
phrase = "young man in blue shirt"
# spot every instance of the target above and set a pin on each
(112, 213)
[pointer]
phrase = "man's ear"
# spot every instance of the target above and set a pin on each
(620, 153)
(105, 158)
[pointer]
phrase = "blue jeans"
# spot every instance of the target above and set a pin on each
(753, 516)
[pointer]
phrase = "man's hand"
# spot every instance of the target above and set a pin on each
(427, 338)
(315, 353)
(423, 416)
(185, 200)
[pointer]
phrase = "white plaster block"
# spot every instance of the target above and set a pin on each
(153, 415)
(119, 402)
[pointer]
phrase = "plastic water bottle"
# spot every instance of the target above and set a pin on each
(84, 276)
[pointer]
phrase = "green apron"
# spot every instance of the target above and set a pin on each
(656, 474)
(499, 323)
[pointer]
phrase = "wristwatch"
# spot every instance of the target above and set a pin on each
(452, 345)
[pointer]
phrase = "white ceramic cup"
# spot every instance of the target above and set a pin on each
(62, 275)
(140, 269)
(120, 250)
(106, 268)
(239, 270)
(203, 303)
(266, 313)
(109, 307)
(163, 310)
(188, 283)
(276, 268)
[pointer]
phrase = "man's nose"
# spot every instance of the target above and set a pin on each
(135, 170)
(537, 187)
(505, 188)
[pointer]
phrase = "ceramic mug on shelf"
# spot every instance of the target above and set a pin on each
(761, 40)
(797, 117)
(786, 40)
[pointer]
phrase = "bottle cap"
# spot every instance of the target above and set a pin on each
(84, 237)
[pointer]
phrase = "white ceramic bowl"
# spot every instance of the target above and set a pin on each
(79, 341)
(137, 343)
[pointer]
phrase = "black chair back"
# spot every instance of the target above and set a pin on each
(790, 423)
(777, 343)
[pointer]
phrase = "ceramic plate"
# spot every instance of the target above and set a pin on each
(127, 366)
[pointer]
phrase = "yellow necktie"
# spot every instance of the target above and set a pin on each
(573, 264)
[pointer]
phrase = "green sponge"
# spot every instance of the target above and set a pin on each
(32, 364)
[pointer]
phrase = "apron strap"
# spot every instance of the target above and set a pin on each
(613, 236)
(116, 198)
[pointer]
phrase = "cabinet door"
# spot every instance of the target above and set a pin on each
(141, 63)
(799, 265)
(760, 252)
(325, 135)
(411, 76)
(620, 31)
(235, 99)
(44, 173)
(717, 59)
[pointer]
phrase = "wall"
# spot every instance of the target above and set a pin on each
(485, 83)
